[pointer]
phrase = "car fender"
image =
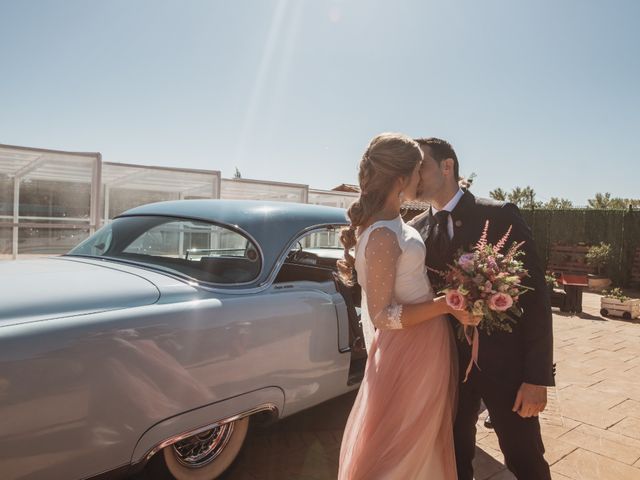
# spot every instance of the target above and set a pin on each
(204, 418)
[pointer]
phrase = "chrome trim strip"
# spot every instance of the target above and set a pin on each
(271, 407)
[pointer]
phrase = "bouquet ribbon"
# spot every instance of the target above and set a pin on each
(475, 348)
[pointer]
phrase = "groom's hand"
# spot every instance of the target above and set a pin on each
(530, 400)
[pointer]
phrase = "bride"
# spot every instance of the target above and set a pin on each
(400, 426)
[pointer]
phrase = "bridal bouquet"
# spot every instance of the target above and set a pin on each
(488, 282)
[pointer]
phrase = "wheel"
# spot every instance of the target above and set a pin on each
(604, 312)
(207, 455)
(626, 315)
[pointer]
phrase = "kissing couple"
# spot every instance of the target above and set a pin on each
(414, 417)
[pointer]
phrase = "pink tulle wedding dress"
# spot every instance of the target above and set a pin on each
(400, 426)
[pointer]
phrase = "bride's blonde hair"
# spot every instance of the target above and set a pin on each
(388, 157)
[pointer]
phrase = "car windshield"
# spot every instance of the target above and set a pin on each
(200, 250)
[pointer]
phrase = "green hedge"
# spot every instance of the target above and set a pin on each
(619, 228)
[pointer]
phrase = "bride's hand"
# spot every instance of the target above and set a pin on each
(466, 318)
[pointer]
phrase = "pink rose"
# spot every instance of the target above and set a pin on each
(455, 300)
(488, 286)
(500, 302)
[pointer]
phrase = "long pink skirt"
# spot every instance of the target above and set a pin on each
(401, 424)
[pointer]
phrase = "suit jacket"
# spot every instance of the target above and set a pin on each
(526, 354)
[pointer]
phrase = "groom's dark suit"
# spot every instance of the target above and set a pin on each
(506, 360)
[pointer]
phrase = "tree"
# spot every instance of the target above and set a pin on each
(524, 197)
(498, 194)
(600, 201)
(604, 201)
(515, 196)
(237, 174)
(558, 204)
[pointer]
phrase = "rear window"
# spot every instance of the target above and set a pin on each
(200, 250)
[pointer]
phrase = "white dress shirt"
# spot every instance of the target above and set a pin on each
(449, 208)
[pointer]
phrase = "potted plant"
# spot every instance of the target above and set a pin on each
(598, 257)
(551, 281)
(616, 303)
(556, 297)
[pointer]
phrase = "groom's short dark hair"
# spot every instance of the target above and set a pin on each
(441, 150)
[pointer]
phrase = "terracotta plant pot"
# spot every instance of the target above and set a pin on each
(597, 283)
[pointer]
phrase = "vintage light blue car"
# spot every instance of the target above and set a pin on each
(166, 332)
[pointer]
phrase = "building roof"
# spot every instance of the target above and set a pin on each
(347, 187)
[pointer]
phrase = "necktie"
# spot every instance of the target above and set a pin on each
(438, 244)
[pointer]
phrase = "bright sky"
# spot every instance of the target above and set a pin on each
(542, 93)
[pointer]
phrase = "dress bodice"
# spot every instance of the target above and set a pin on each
(411, 281)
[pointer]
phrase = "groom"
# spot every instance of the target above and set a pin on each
(514, 369)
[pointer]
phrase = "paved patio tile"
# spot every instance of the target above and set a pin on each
(558, 476)
(503, 475)
(556, 428)
(628, 388)
(487, 463)
(584, 465)
(588, 412)
(556, 449)
(584, 395)
(604, 442)
(628, 407)
(629, 427)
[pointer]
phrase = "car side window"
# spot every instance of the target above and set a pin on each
(313, 257)
(204, 251)
(188, 239)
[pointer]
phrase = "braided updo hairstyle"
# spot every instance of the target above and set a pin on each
(388, 157)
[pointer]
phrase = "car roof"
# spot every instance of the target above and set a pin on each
(274, 225)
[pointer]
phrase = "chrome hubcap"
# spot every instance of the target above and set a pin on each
(199, 450)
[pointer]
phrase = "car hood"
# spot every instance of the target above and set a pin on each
(42, 289)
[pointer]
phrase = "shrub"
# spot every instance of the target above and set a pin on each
(616, 293)
(598, 256)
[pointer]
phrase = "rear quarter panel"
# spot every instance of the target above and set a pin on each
(77, 394)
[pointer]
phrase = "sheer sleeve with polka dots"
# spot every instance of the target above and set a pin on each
(381, 254)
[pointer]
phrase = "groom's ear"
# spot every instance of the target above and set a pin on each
(448, 165)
